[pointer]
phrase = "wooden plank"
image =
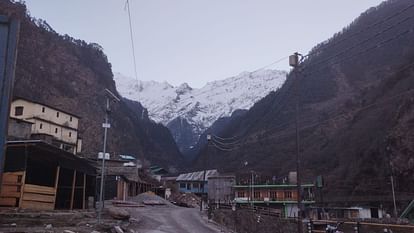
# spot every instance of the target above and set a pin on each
(21, 187)
(84, 191)
(38, 197)
(34, 205)
(9, 194)
(72, 195)
(56, 184)
(12, 177)
(8, 189)
(8, 201)
(30, 188)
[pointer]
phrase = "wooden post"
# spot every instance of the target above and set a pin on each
(56, 183)
(84, 191)
(73, 190)
(22, 188)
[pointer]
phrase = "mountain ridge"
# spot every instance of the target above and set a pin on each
(188, 111)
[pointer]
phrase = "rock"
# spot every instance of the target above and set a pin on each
(68, 231)
(118, 229)
(48, 226)
(13, 225)
(134, 220)
(95, 232)
(118, 213)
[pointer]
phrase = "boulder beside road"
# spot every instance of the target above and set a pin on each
(118, 213)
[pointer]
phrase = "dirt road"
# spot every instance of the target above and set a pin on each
(172, 219)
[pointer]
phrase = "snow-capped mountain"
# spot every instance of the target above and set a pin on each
(198, 108)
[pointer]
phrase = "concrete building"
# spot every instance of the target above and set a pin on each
(49, 124)
(193, 182)
(220, 188)
(279, 196)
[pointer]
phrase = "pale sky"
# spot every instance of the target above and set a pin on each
(197, 41)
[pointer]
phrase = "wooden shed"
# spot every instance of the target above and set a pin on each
(40, 176)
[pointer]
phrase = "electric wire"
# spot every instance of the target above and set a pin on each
(363, 41)
(355, 111)
(132, 39)
(273, 63)
(335, 43)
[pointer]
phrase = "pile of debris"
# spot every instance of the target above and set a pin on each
(189, 200)
(77, 221)
(149, 198)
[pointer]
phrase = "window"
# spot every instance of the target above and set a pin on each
(70, 119)
(288, 194)
(43, 109)
(188, 186)
(273, 195)
(18, 111)
(182, 186)
(70, 134)
(40, 126)
(56, 130)
(240, 194)
(57, 114)
(256, 194)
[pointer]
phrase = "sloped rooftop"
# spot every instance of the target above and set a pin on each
(197, 176)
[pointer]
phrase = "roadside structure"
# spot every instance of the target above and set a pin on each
(122, 178)
(283, 197)
(195, 182)
(50, 124)
(40, 176)
(220, 189)
(42, 171)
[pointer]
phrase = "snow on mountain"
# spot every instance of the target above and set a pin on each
(200, 106)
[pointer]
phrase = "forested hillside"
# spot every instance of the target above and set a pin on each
(72, 75)
(356, 93)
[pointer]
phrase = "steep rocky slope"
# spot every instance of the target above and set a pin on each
(356, 114)
(72, 75)
(188, 111)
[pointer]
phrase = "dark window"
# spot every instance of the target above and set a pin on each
(256, 194)
(43, 109)
(288, 194)
(182, 185)
(240, 194)
(57, 114)
(70, 119)
(188, 186)
(56, 130)
(40, 126)
(273, 195)
(70, 134)
(18, 111)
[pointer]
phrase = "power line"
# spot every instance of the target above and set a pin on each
(335, 43)
(285, 134)
(363, 41)
(132, 39)
(273, 63)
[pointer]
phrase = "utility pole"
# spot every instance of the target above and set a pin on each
(252, 189)
(294, 62)
(106, 126)
(204, 172)
(388, 149)
(9, 37)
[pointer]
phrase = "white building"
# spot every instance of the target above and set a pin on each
(50, 124)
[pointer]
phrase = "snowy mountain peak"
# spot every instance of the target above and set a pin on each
(200, 107)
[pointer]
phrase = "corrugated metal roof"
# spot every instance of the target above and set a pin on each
(196, 176)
